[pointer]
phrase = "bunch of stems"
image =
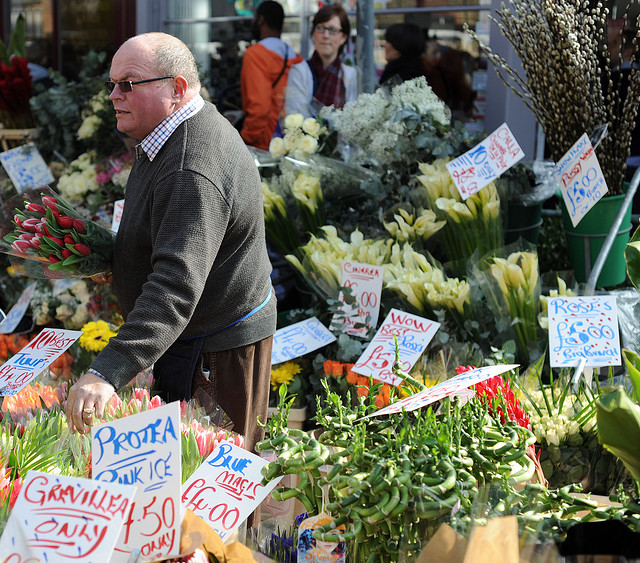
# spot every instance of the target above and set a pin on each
(566, 78)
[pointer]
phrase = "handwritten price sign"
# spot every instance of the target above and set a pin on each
(144, 450)
(299, 339)
(413, 332)
(226, 488)
(485, 162)
(12, 320)
(580, 178)
(584, 327)
(34, 358)
(26, 167)
(444, 389)
(59, 518)
(365, 281)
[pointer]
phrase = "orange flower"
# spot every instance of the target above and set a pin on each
(31, 397)
(352, 377)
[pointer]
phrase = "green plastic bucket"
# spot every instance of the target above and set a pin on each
(523, 221)
(586, 239)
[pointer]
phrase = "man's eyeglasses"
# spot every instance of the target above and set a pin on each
(127, 85)
(331, 30)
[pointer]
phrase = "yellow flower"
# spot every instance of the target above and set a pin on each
(95, 335)
(272, 202)
(284, 374)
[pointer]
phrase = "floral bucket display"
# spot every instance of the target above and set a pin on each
(585, 240)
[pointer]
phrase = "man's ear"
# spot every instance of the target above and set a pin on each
(180, 86)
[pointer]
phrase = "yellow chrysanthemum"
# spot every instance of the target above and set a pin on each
(284, 374)
(96, 335)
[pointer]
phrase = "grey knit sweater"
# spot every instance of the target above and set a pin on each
(190, 256)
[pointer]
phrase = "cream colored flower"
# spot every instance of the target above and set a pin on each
(89, 127)
(276, 147)
(293, 121)
(307, 145)
(312, 127)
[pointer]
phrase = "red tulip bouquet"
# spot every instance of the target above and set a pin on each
(46, 237)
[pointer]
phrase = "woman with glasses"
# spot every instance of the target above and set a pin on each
(323, 80)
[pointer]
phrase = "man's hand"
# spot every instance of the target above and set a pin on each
(87, 398)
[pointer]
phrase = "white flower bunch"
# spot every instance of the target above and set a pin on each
(301, 137)
(374, 121)
(89, 127)
(79, 179)
(92, 121)
(558, 426)
(64, 301)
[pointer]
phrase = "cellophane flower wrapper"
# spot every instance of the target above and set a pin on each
(46, 237)
(319, 262)
(509, 279)
(474, 224)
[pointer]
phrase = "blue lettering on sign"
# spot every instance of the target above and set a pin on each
(22, 359)
(478, 154)
(158, 432)
(410, 343)
(224, 458)
(560, 306)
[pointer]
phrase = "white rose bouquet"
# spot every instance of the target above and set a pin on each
(301, 137)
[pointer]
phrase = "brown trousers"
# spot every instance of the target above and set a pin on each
(239, 381)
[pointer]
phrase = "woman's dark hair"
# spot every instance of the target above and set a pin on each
(406, 38)
(325, 13)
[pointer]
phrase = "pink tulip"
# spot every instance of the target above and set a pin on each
(30, 225)
(21, 246)
(50, 202)
(36, 208)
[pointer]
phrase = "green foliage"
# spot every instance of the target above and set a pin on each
(16, 42)
(58, 110)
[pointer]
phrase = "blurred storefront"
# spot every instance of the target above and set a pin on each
(219, 31)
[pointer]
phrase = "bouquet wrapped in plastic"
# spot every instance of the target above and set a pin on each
(46, 238)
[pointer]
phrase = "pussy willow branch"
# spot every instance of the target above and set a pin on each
(566, 79)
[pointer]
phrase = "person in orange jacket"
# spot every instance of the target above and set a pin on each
(263, 78)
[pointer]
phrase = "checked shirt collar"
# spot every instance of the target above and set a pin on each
(153, 142)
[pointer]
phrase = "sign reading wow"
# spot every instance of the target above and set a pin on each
(413, 332)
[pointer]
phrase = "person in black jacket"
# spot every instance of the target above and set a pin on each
(405, 44)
